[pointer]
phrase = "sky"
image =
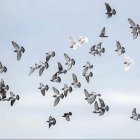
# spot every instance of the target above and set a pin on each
(45, 25)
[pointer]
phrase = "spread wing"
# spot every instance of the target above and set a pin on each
(92, 48)
(41, 70)
(108, 8)
(55, 90)
(131, 22)
(43, 91)
(12, 94)
(101, 102)
(134, 112)
(118, 45)
(0, 65)
(103, 31)
(48, 57)
(85, 70)
(15, 45)
(96, 106)
(74, 78)
(60, 68)
(87, 78)
(66, 57)
(86, 93)
(32, 69)
(67, 118)
(72, 41)
(19, 54)
(56, 101)
(99, 45)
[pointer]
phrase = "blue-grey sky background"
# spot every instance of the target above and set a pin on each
(45, 25)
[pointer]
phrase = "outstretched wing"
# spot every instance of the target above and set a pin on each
(99, 46)
(72, 40)
(32, 69)
(15, 45)
(96, 106)
(134, 113)
(19, 54)
(66, 57)
(131, 22)
(108, 8)
(60, 68)
(74, 78)
(41, 70)
(86, 93)
(103, 31)
(118, 45)
(55, 90)
(101, 102)
(56, 101)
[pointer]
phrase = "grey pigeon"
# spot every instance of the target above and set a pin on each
(56, 78)
(67, 89)
(69, 62)
(43, 66)
(43, 88)
(135, 116)
(110, 11)
(60, 69)
(102, 34)
(33, 68)
(75, 83)
(88, 65)
(18, 50)
(120, 49)
(49, 55)
(57, 96)
(2, 68)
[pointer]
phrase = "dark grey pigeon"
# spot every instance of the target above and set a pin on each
(49, 55)
(67, 116)
(102, 34)
(51, 121)
(110, 11)
(43, 66)
(13, 98)
(18, 50)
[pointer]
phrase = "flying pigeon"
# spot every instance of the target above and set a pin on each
(75, 83)
(102, 34)
(128, 62)
(51, 121)
(88, 65)
(60, 69)
(90, 97)
(120, 49)
(57, 96)
(110, 11)
(67, 89)
(42, 67)
(67, 116)
(69, 62)
(87, 74)
(49, 55)
(43, 88)
(33, 68)
(2, 68)
(18, 50)
(56, 78)
(13, 98)
(135, 116)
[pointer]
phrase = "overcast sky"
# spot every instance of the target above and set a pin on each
(45, 25)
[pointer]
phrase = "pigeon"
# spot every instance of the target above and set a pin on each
(75, 45)
(103, 107)
(49, 55)
(56, 78)
(120, 49)
(43, 88)
(57, 96)
(70, 62)
(135, 116)
(88, 65)
(13, 98)
(60, 69)
(83, 40)
(67, 89)
(97, 49)
(67, 116)
(110, 11)
(102, 34)
(128, 62)
(18, 50)
(90, 97)
(87, 74)
(51, 121)
(135, 28)
(32, 69)
(75, 83)
(42, 67)
(2, 68)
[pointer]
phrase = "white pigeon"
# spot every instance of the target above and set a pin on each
(128, 62)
